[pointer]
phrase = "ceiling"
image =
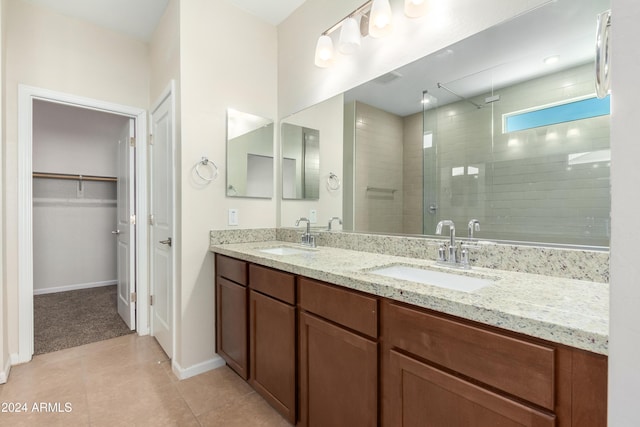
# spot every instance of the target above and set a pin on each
(138, 18)
(271, 11)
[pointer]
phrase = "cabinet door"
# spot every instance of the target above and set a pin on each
(272, 352)
(338, 376)
(231, 325)
(421, 395)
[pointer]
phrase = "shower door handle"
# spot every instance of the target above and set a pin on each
(166, 242)
(603, 65)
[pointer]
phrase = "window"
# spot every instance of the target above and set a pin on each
(554, 114)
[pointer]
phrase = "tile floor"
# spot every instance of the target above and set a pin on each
(127, 381)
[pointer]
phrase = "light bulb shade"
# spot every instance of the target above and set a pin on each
(380, 18)
(349, 36)
(415, 8)
(324, 51)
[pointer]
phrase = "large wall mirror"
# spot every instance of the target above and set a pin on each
(249, 155)
(503, 127)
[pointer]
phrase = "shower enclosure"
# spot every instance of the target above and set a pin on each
(531, 160)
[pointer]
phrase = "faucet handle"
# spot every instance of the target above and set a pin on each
(464, 258)
(474, 225)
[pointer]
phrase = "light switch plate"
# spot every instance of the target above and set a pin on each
(313, 216)
(233, 216)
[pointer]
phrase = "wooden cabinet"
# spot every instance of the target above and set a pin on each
(421, 395)
(338, 356)
(324, 355)
(443, 371)
(272, 338)
(231, 313)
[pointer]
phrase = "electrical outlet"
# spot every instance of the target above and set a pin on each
(233, 216)
(313, 216)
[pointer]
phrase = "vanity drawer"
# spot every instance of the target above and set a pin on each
(232, 269)
(347, 308)
(518, 367)
(276, 284)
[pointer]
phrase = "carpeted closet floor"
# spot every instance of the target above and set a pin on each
(73, 318)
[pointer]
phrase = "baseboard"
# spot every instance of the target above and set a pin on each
(200, 368)
(74, 287)
(4, 374)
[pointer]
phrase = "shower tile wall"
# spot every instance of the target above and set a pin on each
(412, 175)
(378, 167)
(521, 185)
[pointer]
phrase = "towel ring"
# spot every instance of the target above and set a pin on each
(206, 162)
(333, 182)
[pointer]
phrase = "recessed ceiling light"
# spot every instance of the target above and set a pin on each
(551, 59)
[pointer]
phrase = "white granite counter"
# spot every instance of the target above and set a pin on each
(566, 311)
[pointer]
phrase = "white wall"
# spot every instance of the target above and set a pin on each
(624, 340)
(228, 60)
(56, 52)
(75, 140)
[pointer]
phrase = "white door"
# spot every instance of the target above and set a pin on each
(161, 224)
(125, 227)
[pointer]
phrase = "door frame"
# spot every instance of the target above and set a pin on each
(26, 96)
(168, 93)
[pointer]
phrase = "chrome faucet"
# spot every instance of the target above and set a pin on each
(331, 220)
(474, 224)
(453, 258)
(307, 239)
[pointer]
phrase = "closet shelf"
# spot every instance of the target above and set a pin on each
(74, 177)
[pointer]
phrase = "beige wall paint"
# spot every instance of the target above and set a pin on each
(56, 52)
(164, 51)
(164, 58)
(4, 335)
(228, 60)
(624, 347)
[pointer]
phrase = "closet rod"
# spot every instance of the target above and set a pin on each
(74, 177)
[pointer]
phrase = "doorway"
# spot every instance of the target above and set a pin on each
(137, 268)
(83, 201)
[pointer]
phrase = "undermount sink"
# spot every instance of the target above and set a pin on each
(285, 250)
(455, 282)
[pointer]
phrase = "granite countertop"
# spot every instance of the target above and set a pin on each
(565, 311)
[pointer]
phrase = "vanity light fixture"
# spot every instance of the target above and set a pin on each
(373, 18)
(380, 18)
(349, 41)
(324, 51)
(415, 8)
(349, 36)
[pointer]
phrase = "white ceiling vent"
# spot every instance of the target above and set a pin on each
(388, 78)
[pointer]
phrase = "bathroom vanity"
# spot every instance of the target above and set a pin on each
(327, 341)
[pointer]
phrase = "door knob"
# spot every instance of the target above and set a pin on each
(116, 232)
(166, 242)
